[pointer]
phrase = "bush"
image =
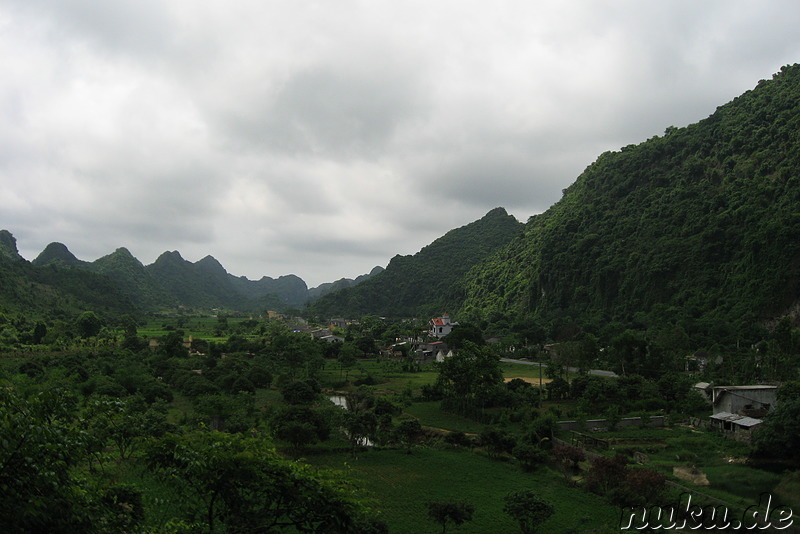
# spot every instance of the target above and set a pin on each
(529, 456)
(458, 439)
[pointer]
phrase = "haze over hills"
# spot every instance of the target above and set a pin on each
(57, 280)
(696, 232)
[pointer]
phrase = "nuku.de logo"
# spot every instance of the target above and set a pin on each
(686, 515)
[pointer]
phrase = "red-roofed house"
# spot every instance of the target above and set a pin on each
(440, 326)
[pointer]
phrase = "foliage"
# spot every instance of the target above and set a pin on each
(40, 487)
(528, 509)
(779, 436)
(418, 284)
(446, 512)
(566, 458)
(606, 474)
(529, 456)
(696, 231)
(462, 334)
(407, 433)
(473, 372)
(497, 441)
(302, 425)
(301, 392)
(244, 484)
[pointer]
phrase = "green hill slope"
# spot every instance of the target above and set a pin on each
(700, 227)
(131, 277)
(416, 284)
(53, 291)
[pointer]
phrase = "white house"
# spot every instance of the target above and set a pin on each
(733, 399)
(440, 326)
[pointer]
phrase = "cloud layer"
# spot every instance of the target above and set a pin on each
(322, 138)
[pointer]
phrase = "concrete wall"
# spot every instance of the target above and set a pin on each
(592, 424)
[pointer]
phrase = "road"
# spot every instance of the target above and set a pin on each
(596, 372)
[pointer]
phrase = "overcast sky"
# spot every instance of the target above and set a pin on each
(322, 138)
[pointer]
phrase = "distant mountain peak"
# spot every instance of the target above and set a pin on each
(209, 260)
(56, 253)
(499, 211)
(121, 255)
(8, 245)
(170, 257)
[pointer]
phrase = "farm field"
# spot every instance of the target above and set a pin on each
(401, 484)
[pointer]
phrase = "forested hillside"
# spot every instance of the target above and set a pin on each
(698, 228)
(417, 284)
(119, 281)
(49, 290)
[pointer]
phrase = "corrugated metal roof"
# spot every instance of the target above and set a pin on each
(736, 419)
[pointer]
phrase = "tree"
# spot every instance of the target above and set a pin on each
(301, 392)
(643, 487)
(473, 372)
(39, 332)
(528, 509)
(566, 458)
(301, 425)
(360, 427)
(497, 441)
(124, 422)
(244, 484)
(529, 456)
(463, 334)
(606, 474)
(446, 512)
(40, 450)
(348, 356)
(407, 432)
(88, 324)
(557, 389)
(780, 433)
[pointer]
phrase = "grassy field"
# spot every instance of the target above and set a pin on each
(429, 414)
(401, 484)
(198, 327)
(388, 378)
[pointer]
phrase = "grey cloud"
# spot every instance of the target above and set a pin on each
(334, 111)
(324, 138)
(127, 27)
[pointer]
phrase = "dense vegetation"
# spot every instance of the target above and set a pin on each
(418, 284)
(53, 291)
(104, 432)
(119, 283)
(697, 229)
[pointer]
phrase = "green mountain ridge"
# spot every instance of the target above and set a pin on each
(418, 284)
(699, 228)
(169, 282)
